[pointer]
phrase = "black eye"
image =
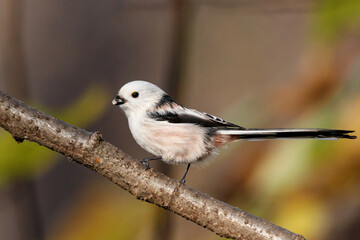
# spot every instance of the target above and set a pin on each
(135, 94)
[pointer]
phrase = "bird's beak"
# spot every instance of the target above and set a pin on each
(118, 101)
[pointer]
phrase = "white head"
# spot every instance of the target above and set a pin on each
(138, 97)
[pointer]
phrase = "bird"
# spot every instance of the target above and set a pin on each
(179, 135)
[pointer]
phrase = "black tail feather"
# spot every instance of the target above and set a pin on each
(290, 133)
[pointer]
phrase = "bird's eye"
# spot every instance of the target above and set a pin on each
(134, 94)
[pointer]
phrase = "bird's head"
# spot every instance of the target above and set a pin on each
(138, 97)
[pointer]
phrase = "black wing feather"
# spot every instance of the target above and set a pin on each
(166, 100)
(210, 121)
(178, 114)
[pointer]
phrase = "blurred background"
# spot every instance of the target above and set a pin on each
(255, 63)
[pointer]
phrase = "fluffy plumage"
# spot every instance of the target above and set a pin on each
(180, 135)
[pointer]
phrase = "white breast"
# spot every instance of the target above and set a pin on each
(175, 143)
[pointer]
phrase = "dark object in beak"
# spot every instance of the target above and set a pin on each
(118, 101)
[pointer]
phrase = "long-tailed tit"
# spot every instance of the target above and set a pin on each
(176, 134)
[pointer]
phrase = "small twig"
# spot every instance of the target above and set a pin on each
(89, 149)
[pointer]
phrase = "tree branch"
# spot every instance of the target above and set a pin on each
(89, 149)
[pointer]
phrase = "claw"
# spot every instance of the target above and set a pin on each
(146, 163)
(182, 181)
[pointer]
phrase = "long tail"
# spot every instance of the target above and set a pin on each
(287, 133)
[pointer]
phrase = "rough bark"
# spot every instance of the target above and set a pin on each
(90, 150)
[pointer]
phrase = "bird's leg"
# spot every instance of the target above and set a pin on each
(146, 161)
(182, 181)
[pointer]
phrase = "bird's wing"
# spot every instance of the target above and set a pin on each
(179, 114)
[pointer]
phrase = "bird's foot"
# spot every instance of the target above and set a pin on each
(146, 161)
(182, 181)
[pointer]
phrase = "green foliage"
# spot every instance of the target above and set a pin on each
(87, 108)
(27, 159)
(334, 17)
(22, 160)
(103, 212)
